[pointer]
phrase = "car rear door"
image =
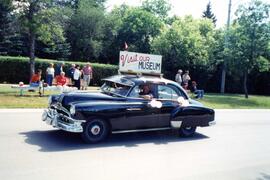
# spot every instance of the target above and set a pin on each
(167, 95)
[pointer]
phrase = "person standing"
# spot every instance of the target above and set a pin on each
(77, 77)
(87, 76)
(59, 69)
(70, 73)
(186, 78)
(178, 77)
(50, 74)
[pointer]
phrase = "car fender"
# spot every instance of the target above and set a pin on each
(192, 115)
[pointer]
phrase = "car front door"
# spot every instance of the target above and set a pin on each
(139, 113)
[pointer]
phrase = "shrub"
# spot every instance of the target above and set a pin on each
(16, 69)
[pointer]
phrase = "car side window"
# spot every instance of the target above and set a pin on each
(166, 92)
(135, 92)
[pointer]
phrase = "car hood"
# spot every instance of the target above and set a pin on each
(81, 96)
(195, 103)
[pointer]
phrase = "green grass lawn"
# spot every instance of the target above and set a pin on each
(236, 101)
(10, 98)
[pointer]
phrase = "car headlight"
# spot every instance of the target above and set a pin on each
(72, 109)
(50, 100)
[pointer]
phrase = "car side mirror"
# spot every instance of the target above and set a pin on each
(155, 104)
(182, 101)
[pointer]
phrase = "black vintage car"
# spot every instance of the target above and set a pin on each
(121, 107)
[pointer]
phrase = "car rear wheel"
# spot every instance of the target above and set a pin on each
(95, 131)
(187, 131)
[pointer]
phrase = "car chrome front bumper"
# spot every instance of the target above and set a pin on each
(52, 117)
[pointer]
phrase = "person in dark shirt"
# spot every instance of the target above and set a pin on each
(59, 69)
(146, 92)
(70, 73)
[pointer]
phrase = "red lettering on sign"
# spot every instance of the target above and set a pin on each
(130, 59)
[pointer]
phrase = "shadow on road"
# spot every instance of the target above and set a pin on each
(264, 176)
(57, 140)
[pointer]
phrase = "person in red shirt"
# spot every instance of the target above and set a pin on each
(35, 79)
(61, 80)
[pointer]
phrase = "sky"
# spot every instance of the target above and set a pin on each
(193, 7)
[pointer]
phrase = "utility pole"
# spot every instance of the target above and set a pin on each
(224, 66)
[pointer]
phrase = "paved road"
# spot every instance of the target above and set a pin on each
(238, 147)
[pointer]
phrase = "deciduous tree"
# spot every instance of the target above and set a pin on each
(138, 28)
(159, 8)
(250, 39)
(186, 43)
(37, 18)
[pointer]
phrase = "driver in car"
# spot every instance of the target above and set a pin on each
(146, 92)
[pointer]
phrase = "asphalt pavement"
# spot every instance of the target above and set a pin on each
(237, 147)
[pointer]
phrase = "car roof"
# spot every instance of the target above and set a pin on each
(132, 80)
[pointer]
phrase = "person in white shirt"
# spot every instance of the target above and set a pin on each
(178, 77)
(77, 77)
(50, 74)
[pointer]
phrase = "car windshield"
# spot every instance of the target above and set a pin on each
(115, 88)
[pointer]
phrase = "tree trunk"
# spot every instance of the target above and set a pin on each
(245, 84)
(32, 53)
(32, 38)
(223, 78)
(223, 75)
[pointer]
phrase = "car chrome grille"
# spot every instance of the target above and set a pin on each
(60, 109)
(64, 120)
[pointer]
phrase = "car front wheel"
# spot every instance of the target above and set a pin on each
(95, 131)
(187, 131)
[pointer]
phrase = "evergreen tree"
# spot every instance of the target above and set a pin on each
(86, 30)
(58, 50)
(5, 26)
(208, 13)
(19, 43)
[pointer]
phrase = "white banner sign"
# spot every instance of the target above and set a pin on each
(139, 63)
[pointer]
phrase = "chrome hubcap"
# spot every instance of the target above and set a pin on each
(95, 130)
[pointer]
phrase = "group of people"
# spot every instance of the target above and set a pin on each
(79, 78)
(183, 80)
